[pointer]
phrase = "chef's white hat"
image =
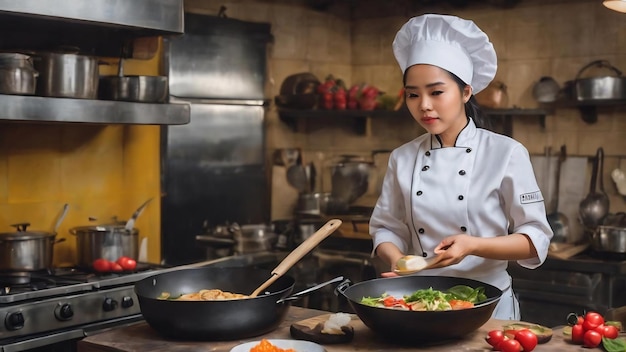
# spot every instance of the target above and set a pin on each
(449, 42)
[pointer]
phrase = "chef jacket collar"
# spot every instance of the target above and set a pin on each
(464, 139)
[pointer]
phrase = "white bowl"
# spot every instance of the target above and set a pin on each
(297, 345)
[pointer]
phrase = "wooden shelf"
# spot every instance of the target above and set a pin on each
(291, 116)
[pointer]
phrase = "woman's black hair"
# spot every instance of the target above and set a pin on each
(472, 108)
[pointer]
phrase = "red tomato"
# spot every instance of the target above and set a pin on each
(510, 345)
(592, 321)
(577, 333)
(592, 339)
(102, 265)
(527, 339)
(494, 338)
(127, 263)
(610, 332)
(116, 267)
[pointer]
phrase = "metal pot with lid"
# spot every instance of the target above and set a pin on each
(17, 74)
(26, 250)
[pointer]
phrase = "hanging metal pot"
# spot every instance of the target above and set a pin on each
(601, 88)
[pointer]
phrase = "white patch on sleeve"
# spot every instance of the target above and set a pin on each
(532, 197)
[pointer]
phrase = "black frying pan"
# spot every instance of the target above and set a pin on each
(419, 326)
(213, 320)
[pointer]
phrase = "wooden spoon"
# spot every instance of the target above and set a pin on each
(300, 251)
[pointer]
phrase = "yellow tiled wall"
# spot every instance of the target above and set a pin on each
(100, 171)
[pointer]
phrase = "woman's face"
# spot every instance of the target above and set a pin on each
(435, 101)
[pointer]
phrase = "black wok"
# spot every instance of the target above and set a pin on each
(419, 326)
(216, 320)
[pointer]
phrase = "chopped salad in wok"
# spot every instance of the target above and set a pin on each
(456, 297)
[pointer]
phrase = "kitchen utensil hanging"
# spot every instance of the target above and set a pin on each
(557, 220)
(595, 206)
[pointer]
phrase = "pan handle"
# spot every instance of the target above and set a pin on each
(309, 290)
(342, 287)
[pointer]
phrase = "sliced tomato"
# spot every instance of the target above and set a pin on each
(460, 304)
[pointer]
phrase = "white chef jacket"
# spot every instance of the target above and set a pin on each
(483, 186)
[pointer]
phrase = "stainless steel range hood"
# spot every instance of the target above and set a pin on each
(161, 17)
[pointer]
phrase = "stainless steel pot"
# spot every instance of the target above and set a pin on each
(67, 74)
(17, 74)
(26, 250)
(106, 241)
(597, 88)
(609, 239)
(236, 239)
(313, 203)
(144, 89)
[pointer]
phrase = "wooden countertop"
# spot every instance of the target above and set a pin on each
(141, 337)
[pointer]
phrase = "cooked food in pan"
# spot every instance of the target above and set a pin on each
(203, 295)
(457, 297)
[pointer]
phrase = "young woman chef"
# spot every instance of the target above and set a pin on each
(460, 193)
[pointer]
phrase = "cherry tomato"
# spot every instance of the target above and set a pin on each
(102, 265)
(592, 320)
(510, 345)
(116, 267)
(127, 263)
(494, 338)
(577, 333)
(527, 339)
(592, 339)
(610, 332)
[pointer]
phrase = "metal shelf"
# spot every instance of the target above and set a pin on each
(44, 109)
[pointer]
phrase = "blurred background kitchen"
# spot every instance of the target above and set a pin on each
(271, 169)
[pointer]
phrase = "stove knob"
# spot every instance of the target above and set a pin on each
(14, 321)
(127, 302)
(64, 312)
(109, 304)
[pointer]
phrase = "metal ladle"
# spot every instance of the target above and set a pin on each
(595, 206)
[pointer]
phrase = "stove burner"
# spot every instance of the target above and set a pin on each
(33, 284)
(14, 278)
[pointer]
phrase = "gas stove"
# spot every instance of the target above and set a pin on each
(40, 308)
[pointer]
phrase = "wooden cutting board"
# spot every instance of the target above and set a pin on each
(366, 340)
(566, 250)
(311, 330)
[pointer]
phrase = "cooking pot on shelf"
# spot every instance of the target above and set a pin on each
(17, 74)
(105, 241)
(415, 327)
(546, 90)
(143, 89)
(601, 88)
(609, 239)
(26, 250)
(67, 74)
